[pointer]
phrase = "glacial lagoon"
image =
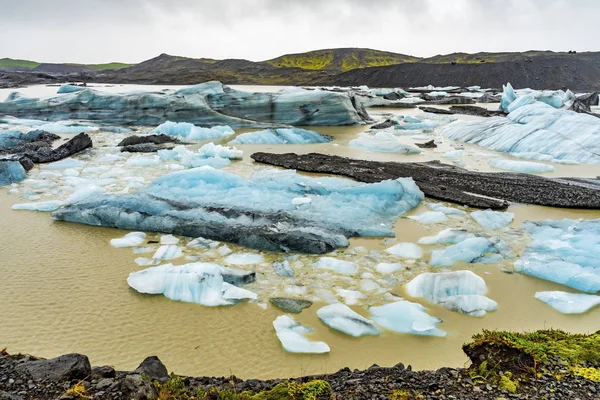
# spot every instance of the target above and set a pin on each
(65, 287)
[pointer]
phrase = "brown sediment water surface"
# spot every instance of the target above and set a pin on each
(64, 290)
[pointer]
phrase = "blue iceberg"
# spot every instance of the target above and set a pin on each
(461, 291)
(569, 303)
(564, 252)
(193, 132)
(281, 136)
(259, 212)
(538, 123)
(207, 104)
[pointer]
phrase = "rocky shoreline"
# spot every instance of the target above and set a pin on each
(503, 366)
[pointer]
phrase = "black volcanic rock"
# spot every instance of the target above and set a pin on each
(450, 183)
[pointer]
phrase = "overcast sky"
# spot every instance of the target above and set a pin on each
(90, 31)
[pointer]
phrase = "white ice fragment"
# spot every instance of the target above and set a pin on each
(405, 250)
(344, 319)
(130, 240)
(301, 200)
(520, 166)
(351, 297)
(168, 239)
(291, 335)
(50, 205)
(342, 267)
(406, 317)
(65, 163)
(388, 268)
(167, 252)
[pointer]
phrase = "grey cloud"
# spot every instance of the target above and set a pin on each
(133, 30)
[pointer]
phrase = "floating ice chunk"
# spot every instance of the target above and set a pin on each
(110, 158)
(416, 124)
(84, 193)
(520, 166)
(167, 252)
(344, 319)
(192, 132)
(201, 243)
(444, 209)
(200, 283)
(473, 305)
(489, 219)
(244, 259)
(218, 151)
(65, 163)
(224, 250)
(70, 172)
(438, 94)
(339, 266)
(564, 252)
(447, 236)
(350, 297)
(429, 217)
(382, 141)
(406, 317)
(130, 240)
(283, 269)
(387, 268)
(291, 335)
(368, 285)
(471, 250)
(11, 172)
(405, 250)
(50, 205)
(453, 155)
(168, 239)
(461, 291)
(256, 212)
(232, 292)
(142, 249)
(569, 303)
(281, 136)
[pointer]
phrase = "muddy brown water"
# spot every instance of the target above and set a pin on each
(64, 290)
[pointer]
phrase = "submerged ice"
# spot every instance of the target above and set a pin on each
(258, 212)
(569, 303)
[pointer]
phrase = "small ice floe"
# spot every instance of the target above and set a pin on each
(130, 240)
(471, 250)
(168, 239)
(46, 206)
(167, 252)
(339, 266)
(193, 132)
(446, 236)
(461, 291)
(405, 250)
(489, 219)
(406, 317)
(344, 319)
(291, 335)
(202, 283)
(388, 268)
(444, 209)
(569, 303)
(520, 166)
